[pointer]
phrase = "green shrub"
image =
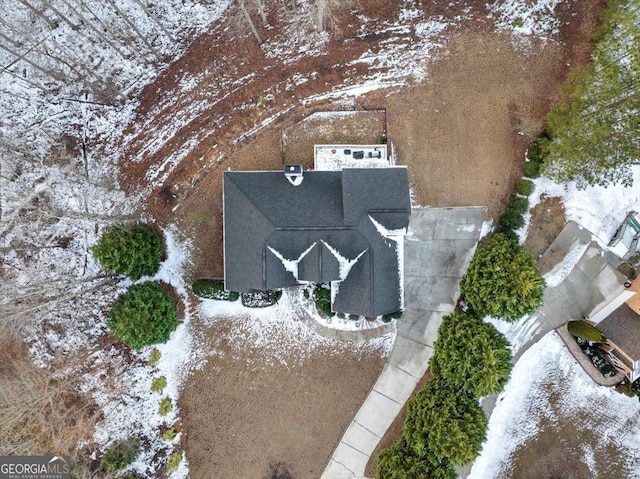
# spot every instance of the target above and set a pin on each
(211, 289)
(471, 355)
(582, 329)
(134, 250)
(154, 357)
(174, 460)
(502, 280)
(158, 384)
(170, 434)
(276, 295)
(531, 169)
(518, 204)
(388, 317)
(144, 315)
(165, 406)
(121, 454)
(524, 187)
(510, 221)
(400, 461)
(446, 422)
(322, 297)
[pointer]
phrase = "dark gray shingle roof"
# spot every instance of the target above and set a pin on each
(325, 218)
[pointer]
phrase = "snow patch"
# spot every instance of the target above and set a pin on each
(598, 209)
(558, 274)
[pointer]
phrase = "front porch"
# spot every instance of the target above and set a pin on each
(585, 362)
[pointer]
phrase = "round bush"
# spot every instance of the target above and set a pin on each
(524, 187)
(144, 315)
(134, 250)
(531, 169)
(121, 454)
(400, 461)
(174, 460)
(510, 221)
(448, 423)
(471, 355)
(503, 280)
(518, 204)
(582, 329)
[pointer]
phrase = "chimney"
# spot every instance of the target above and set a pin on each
(293, 173)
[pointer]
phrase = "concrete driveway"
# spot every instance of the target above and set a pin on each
(437, 251)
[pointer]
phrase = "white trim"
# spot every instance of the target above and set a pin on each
(604, 310)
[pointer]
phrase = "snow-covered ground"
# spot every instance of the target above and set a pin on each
(525, 17)
(283, 319)
(547, 384)
(599, 210)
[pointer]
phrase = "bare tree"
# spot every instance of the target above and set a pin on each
(155, 19)
(247, 17)
(39, 14)
(96, 30)
(131, 25)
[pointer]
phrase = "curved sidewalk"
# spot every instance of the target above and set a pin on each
(437, 251)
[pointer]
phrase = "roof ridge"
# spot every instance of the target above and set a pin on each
(245, 196)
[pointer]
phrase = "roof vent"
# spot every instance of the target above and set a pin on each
(293, 174)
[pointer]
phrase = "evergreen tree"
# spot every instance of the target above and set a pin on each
(400, 461)
(596, 131)
(133, 249)
(446, 422)
(144, 315)
(503, 280)
(471, 355)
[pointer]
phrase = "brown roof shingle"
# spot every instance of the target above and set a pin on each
(623, 328)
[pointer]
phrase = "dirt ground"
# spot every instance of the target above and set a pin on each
(547, 220)
(246, 410)
(462, 134)
(332, 127)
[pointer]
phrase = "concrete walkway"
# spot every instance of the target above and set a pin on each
(437, 251)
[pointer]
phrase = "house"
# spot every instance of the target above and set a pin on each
(346, 228)
(621, 327)
(626, 241)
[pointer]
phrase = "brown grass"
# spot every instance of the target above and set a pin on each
(39, 413)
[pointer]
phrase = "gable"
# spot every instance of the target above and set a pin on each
(319, 265)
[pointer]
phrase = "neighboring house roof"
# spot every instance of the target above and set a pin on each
(626, 241)
(334, 226)
(622, 327)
